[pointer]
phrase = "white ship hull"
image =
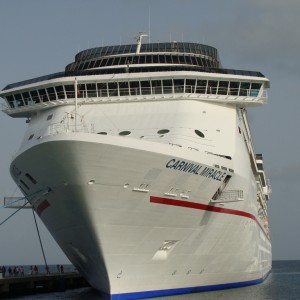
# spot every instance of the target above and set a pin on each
(110, 210)
(139, 160)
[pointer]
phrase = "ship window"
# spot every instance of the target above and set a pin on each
(212, 87)
(43, 95)
(102, 89)
(102, 132)
(27, 187)
(129, 60)
(51, 93)
(223, 87)
(31, 136)
(198, 60)
(60, 92)
(113, 89)
(188, 60)
(122, 60)
(91, 64)
(190, 85)
(255, 87)
(142, 59)
(49, 117)
(31, 178)
(80, 67)
(206, 62)
(194, 61)
(201, 86)
(124, 88)
(148, 59)
(123, 133)
(34, 96)
(234, 88)
(175, 59)
(163, 131)
(181, 59)
(169, 59)
(155, 59)
(70, 92)
(161, 59)
(156, 87)
(101, 63)
(146, 87)
(135, 60)
(199, 133)
(134, 88)
(25, 193)
(81, 91)
(178, 85)
(167, 86)
(245, 88)
(26, 98)
(10, 100)
(97, 64)
(104, 61)
(91, 90)
(85, 66)
(18, 100)
(109, 61)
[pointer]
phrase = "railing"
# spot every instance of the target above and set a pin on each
(65, 128)
(230, 196)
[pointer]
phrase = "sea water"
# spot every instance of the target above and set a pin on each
(283, 283)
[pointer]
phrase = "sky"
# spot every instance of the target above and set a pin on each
(40, 37)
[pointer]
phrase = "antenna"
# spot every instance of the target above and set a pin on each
(149, 27)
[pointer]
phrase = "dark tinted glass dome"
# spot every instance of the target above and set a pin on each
(152, 53)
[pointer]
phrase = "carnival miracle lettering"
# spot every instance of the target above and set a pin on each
(184, 166)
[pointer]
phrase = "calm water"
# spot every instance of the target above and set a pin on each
(282, 284)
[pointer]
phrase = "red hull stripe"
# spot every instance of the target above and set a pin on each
(42, 206)
(206, 207)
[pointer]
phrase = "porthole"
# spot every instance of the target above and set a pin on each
(126, 132)
(102, 132)
(27, 187)
(199, 133)
(163, 131)
(31, 136)
(49, 117)
(31, 178)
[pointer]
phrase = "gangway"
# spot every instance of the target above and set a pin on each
(16, 202)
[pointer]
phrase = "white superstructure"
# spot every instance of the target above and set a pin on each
(140, 162)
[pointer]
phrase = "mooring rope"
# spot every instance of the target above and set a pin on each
(38, 232)
(13, 213)
(36, 225)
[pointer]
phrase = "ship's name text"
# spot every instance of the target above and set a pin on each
(188, 167)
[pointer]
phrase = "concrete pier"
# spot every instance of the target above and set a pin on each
(30, 284)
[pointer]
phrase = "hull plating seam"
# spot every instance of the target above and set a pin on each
(206, 207)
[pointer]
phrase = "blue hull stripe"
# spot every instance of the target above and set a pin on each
(178, 291)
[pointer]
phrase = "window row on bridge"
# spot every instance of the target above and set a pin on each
(133, 88)
(144, 59)
(179, 47)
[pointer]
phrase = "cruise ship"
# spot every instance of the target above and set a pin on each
(140, 161)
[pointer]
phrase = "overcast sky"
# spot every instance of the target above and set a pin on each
(39, 37)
